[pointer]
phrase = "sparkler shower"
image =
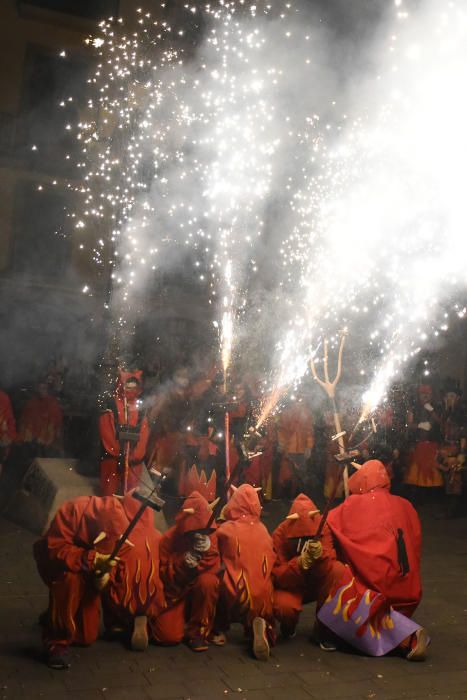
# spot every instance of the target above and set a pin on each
(265, 146)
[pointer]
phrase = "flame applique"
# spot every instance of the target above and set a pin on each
(265, 567)
(376, 628)
(243, 602)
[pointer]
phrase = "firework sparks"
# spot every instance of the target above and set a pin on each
(183, 148)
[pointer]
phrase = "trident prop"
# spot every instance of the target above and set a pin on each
(330, 389)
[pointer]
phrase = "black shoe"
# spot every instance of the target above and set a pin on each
(325, 645)
(288, 631)
(58, 657)
(198, 644)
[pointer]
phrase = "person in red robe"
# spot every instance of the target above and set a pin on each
(41, 423)
(305, 570)
(378, 536)
(295, 443)
(247, 553)
(124, 432)
(424, 423)
(73, 559)
(7, 427)
(189, 569)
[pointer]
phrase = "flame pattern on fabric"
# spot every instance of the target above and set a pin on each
(248, 556)
(65, 557)
(364, 619)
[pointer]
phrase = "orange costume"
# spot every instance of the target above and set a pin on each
(296, 440)
(424, 423)
(83, 530)
(294, 585)
(117, 421)
(189, 568)
(248, 556)
(295, 429)
(41, 422)
(7, 425)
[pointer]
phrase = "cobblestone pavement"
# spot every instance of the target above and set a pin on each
(297, 670)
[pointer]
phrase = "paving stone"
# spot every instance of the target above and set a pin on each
(292, 693)
(206, 687)
(297, 669)
(98, 681)
(355, 689)
(166, 691)
(268, 679)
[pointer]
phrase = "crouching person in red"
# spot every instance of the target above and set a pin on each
(73, 559)
(246, 591)
(189, 568)
(305, 570)
(379, 536)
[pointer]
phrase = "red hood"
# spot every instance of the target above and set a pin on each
(371, 475)
(244, 503)
(305, 525)
(124, 376)
(190, 522)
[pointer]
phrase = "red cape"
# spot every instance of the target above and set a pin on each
(248, 555)
(372, 529)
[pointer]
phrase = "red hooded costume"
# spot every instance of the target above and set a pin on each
(191, 591)
(65, 557)
(41, 421)
(124, 411)
(248, 556)
(294, 586)
(379, 536)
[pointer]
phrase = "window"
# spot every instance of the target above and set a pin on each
(89, 9)
(41, 249)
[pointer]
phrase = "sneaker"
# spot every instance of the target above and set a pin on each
(58, 657)
(326, 645)
(198, 644)
(288, 631)
(260, 639)
(418, 645)
(139, 638)
(217, 638)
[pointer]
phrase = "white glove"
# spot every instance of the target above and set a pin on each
(424, 426)
(307, 453)
(201, 543)
(192, 559)
(428, 407)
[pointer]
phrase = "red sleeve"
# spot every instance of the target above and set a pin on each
(176, 576)
(108, 435)
(286, 572)
(61, 538)
(138, 453)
